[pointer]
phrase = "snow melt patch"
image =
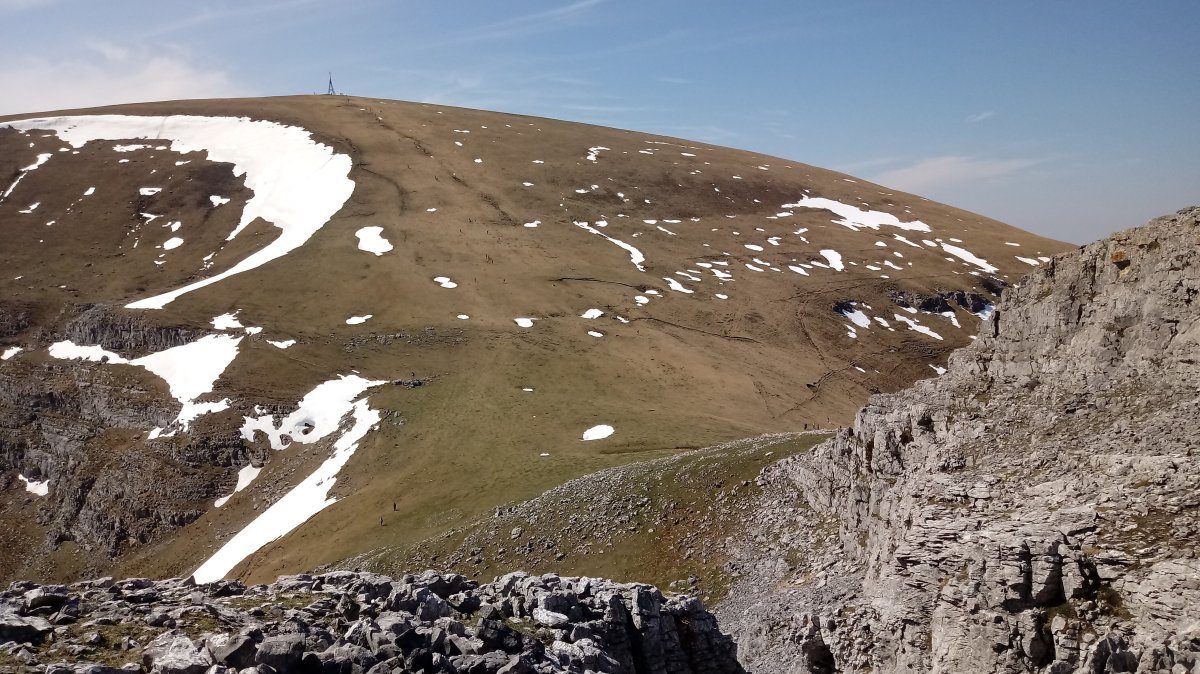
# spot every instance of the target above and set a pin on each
(592, 313)
(41, 159)
(218, 200)
(858, 318)
(913, 325)
(371, 240)
(10, 352)
(635, 255)
(969, 257)
(325, 406)
(189, 370)
(298, 183)
(854, 217)
(677, 286)
(356, 320)
(594, 152)
(598, 432)
(245, 477)
(524, 322)
(834, 258)
(317, 415)
(227, 322)
(283, 344)
(34, 487)
(172, 243)
(445, 282)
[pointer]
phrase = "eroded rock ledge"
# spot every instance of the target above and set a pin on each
(351, 622)
(1035, 509)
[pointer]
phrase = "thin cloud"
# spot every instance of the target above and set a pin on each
(107, 74)
(980, 116)
(864, 164)
(520, 26)
(936, 172)
(19, 5)
(224, 13)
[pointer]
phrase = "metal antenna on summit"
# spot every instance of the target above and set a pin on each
(330, 91)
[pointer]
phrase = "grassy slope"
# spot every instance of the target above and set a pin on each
(688, 371)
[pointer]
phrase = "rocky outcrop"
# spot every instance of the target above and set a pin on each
(82, 427)
(124, 331)
(360, 622)
(1035, 509)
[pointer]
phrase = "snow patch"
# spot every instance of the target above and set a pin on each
(226, 321)
(854, 217)
(834, 258)
(858, 318)
(371, 240)
(298, 183)
(245, 477)
(598, 432)
(677, 286)
(323, 408)
(913, 325)
(635, 255)
(34, 487)
(969, 257)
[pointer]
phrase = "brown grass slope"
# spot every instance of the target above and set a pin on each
(685, 371)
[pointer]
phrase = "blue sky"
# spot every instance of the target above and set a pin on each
(1070, 119)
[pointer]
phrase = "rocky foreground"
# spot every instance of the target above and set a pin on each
(1035, 509)
(359, 623)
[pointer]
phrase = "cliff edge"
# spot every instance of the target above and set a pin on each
(1033, 509)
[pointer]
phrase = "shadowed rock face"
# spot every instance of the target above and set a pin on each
(1034, 509)
(348, 621)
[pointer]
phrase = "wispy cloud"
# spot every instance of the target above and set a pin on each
(942, 171)
(18, 5)
(864, 164)
(106, 74)
(520, 26)
(222, 13)
(980, 116)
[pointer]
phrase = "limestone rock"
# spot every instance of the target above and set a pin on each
(1034, 509)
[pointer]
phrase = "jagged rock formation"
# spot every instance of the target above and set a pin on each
(1035, 509)
(359, 622)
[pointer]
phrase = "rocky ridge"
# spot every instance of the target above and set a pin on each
(1032, 510)
(351, 622)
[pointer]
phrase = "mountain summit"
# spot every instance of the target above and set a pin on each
(247, 337)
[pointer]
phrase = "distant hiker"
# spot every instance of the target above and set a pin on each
(393, 506)
(381, 520)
